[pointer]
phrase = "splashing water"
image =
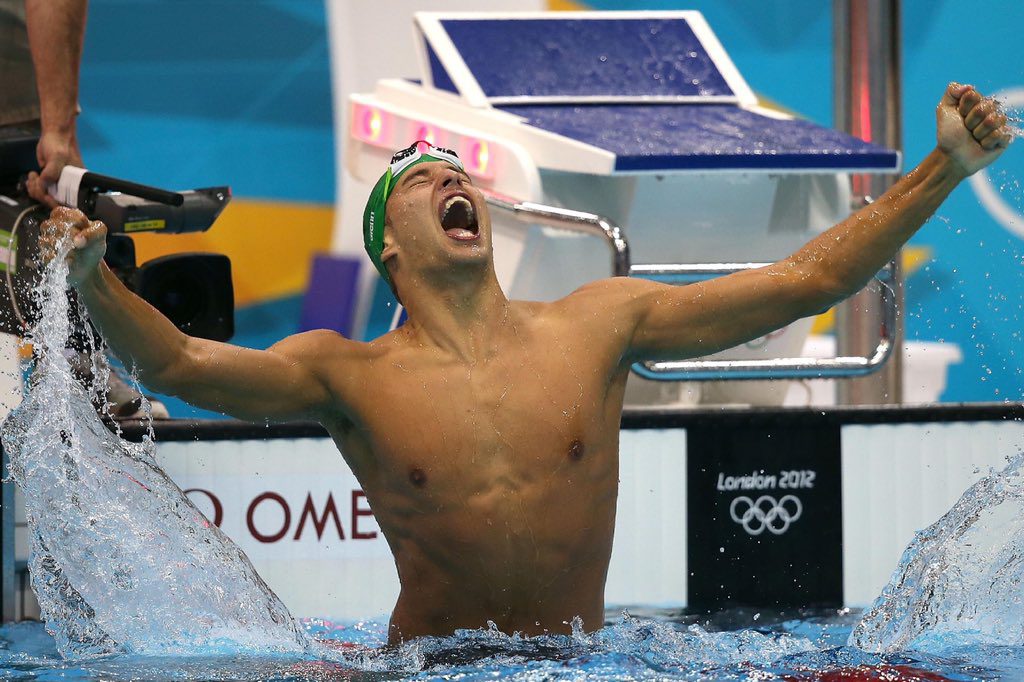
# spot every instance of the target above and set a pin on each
(1014, 118)
(631, 649)
(961, 580)
(121, 561)
(655, 647)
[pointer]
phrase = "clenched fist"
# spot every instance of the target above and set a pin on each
(972, 129)
(88, 241)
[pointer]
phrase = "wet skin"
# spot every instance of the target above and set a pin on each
(485, 431)
(487, 444)
(495, 479)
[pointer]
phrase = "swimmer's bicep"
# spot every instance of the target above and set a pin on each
(278, 383)
(677, 322)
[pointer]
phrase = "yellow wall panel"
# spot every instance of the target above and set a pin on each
(566, 6)
(271, 245)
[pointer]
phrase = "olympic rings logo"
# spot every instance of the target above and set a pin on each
(766, 513)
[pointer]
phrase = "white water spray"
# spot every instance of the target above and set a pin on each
(121, 561)
(961, 580)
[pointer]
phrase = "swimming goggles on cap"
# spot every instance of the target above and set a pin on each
(420, 151)
(413, 153)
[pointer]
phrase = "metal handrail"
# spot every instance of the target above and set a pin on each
(769, 368)
(705, 370)
(569, 220)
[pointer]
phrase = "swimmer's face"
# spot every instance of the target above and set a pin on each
(436, 220)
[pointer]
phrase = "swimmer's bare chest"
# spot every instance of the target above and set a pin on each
(504, 469)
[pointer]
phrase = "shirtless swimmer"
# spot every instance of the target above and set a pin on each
(485, 431)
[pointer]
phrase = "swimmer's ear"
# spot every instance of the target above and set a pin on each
(390, 249)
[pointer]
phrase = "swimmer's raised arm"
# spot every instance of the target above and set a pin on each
(283, 382)
(686, 321)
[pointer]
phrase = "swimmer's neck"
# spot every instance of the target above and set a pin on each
(464, 317)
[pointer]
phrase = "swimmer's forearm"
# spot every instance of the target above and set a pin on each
(139, 335)
(848, 255)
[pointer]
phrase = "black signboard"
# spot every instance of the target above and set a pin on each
(764, 514)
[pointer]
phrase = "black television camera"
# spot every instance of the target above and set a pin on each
(192, 289)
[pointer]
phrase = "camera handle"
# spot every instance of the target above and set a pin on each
(77, 187)
(129, 207)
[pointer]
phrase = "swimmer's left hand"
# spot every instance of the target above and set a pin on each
(972, 129)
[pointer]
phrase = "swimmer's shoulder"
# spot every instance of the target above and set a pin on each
(602, 296)
(604, 311)
(590, 296)
(340, 362)
(609, 288)
(398, 345)
(318, 345)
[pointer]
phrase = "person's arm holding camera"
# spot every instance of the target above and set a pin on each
(280, 383)
(56, 32)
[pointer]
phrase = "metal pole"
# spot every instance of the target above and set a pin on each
(867, 104)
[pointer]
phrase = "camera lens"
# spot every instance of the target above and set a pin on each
(193, 290)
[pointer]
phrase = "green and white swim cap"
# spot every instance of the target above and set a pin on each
(373, 215)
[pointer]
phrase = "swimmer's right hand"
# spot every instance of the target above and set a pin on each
(89, 241)
(972, 129)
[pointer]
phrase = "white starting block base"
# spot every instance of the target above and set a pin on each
(925, 372)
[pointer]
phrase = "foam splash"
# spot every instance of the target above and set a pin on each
(961, 580)
(1014, 117)
(631, 648)
(121, 561)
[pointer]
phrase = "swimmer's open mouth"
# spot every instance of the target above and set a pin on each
(458, 218)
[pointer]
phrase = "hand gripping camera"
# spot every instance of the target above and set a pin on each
(192, 289)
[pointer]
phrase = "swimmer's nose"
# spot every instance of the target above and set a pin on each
(450, 177)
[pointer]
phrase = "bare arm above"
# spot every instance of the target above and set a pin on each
(686, 321)
(56, 32)
(280, 383)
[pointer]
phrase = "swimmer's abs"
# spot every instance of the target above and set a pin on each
(470, 600)
(511, 563)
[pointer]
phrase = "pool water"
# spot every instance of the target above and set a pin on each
(638, 645)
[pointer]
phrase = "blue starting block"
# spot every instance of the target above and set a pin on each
(639, 75)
